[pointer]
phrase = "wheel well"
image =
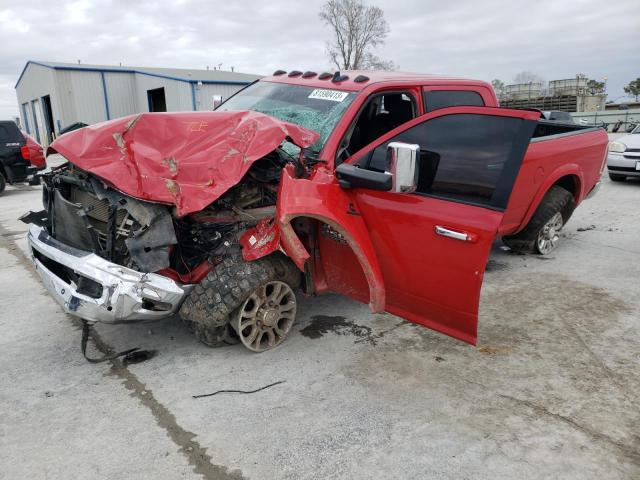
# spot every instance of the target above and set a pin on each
(570, 183)
(312, 232)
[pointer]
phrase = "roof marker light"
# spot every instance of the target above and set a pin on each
(279, 72)
(308, 74)
(325, 76)
(295, 73)
(338, 77)
(361, 78)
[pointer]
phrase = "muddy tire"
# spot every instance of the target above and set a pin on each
(207, 309)
(3, 183)
(617, 177)
(552, 214)
(214, 337)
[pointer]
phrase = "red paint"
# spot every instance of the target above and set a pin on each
(194, 276)
(577, 156)
(186, 159)
(34, 152)
(380, 247)
(261, 240)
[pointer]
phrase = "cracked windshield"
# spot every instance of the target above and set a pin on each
(316, 109)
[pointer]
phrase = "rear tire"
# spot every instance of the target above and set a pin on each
(541, 234)
(617, 178)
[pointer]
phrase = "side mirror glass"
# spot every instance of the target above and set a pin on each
(402, 164)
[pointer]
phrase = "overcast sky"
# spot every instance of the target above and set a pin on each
(477, 39)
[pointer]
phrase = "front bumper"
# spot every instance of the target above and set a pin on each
(623, 164)
(126, 295)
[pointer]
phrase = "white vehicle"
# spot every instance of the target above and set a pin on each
(623, 159)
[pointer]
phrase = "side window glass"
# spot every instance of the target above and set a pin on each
(435, 99)
(4, 134)
(381, 114)
(462, 157)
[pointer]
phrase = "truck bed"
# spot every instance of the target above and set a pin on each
(546, 128)
(571, 155)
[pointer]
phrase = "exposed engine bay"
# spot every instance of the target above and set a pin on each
(84, 212)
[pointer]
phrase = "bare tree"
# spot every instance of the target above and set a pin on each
(527, 76)
(633, 88)
(357, 29)
(498, 87)
(594, 86)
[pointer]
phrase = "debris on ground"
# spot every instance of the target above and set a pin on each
(238, 391)
(584, 229)
(495, 350)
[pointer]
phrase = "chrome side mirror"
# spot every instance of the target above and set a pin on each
(402, 164)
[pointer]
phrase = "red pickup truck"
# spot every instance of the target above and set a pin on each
(388, 188)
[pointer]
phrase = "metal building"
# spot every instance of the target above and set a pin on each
(54, 95)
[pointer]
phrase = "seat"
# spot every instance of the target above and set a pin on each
(397, 111)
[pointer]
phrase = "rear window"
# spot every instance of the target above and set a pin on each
(9, 132)
(436, 99)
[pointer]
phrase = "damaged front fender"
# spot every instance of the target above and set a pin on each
(327, 203)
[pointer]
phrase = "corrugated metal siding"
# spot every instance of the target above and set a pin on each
(81, 96)
(121, 91)
(37, 82)
(78, 96)
(177, 94)
(205, 93)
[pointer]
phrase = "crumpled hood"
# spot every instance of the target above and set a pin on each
(188, 159)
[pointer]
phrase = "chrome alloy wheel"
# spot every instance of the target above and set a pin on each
(265, 318)
(549, 234)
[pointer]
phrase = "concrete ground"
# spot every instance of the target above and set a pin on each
(552, 390)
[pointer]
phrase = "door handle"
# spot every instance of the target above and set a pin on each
(456, 235)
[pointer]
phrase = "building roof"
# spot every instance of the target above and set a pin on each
(179, 74)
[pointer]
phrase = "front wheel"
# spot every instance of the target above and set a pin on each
(264, 319)
(237, 295)
(542, 233)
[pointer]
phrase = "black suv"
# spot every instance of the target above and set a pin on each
(20, 155)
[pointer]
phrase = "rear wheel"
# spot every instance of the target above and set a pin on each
(549, 234)
(542, 233)
(617, 178)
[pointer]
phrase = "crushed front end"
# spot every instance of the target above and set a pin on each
(148, 216)
(108, 257)
(95, 250)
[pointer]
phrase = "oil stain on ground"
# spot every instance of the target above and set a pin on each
(322, 324)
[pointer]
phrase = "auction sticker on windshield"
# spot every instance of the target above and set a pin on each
(332, 95)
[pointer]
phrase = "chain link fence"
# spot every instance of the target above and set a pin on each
(615, 121)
